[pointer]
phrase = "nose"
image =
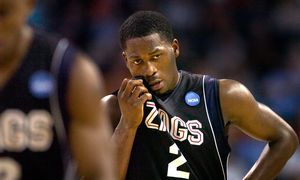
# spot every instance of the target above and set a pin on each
(150, 69)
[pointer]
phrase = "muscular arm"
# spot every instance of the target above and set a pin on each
(126, 113)
(122, 138)
(89, 128)
(258, 121)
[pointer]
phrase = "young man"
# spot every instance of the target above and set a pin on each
(49, 105)
(172, 124)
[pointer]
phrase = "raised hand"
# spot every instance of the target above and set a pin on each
(131, 96)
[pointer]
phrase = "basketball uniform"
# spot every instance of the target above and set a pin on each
(32, 130)
(182, 136)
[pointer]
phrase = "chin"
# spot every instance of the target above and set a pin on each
(157, 92)
(160, 92)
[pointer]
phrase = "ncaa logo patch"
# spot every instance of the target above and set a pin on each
(192, 98)
(41, 84)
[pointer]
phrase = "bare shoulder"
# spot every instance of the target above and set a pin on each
(86, 75)
(85, 89)
(229, 88)
(240, 108)
(236, 100)
(86, 68)
(110, 102)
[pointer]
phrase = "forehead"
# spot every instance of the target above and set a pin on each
(146, 43)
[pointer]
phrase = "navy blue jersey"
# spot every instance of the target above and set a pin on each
(33, 116)
(183, 136)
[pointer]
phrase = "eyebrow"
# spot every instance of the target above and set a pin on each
(133, 57)
(155, 50)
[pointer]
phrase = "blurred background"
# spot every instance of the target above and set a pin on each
(256, 42)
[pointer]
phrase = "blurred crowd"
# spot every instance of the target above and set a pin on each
(256, 42)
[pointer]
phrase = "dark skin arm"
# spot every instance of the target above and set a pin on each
(240, 109)
(126, 112)
(89, 130)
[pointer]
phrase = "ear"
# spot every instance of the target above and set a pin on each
(125, 59)
(124, 56)
(175, 46)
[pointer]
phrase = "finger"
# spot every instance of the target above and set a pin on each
(131, 85)
(144, 97)
(123, 86)
(138, 91)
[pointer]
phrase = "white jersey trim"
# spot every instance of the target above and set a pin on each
(61, 48)
(213, 133)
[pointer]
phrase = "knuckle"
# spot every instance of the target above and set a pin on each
(139, 88)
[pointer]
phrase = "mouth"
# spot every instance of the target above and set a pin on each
(152, 85)
(156, 85)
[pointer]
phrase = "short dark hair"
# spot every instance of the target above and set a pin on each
(144, 23)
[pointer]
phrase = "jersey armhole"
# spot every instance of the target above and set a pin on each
(212, 91)
(62, 61)
(217, 95)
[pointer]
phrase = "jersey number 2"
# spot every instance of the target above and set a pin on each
(172, 166)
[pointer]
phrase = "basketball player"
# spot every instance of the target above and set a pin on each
(172, 124)
(49, 106)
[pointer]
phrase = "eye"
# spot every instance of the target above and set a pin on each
(157, 56)
(137, 61)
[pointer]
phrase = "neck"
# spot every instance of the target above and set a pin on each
(177, 80)
(19, 51)
(178, 77)
(165, 95)
(12, 62)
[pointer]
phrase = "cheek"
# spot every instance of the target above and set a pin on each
(134, 71)
(167, 66)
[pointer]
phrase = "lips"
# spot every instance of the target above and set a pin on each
(155, 85)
